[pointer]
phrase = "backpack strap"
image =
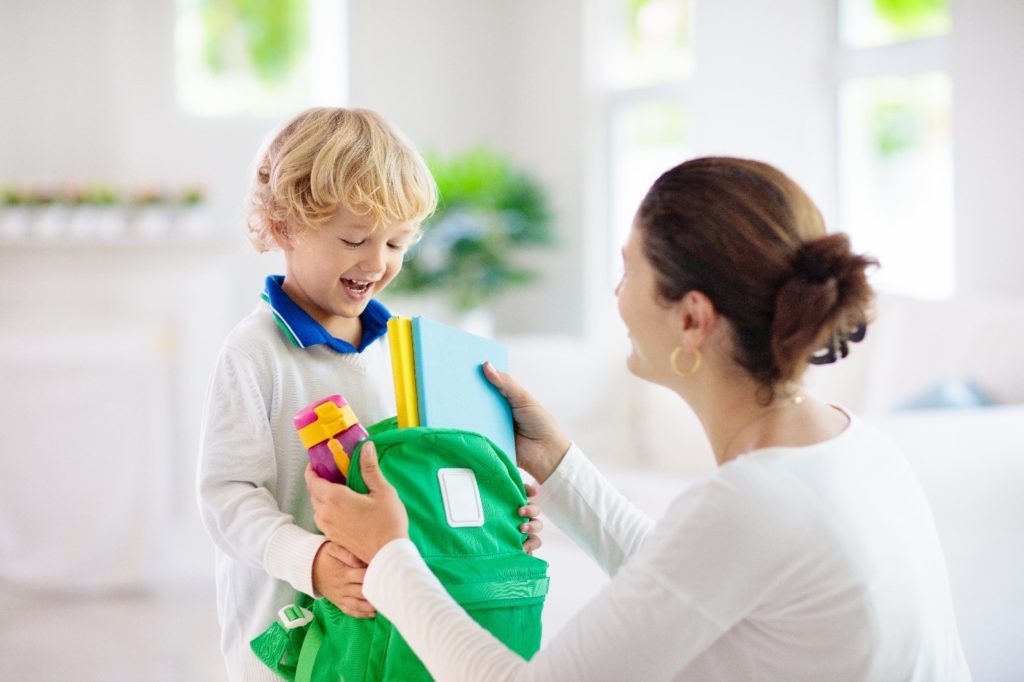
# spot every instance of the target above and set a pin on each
(307, 656)
(282, 646)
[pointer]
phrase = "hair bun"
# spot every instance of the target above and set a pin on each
(822, 259)
(823, 306)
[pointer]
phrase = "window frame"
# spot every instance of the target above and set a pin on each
(903, 58)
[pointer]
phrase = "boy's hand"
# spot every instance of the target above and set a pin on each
(533, 526)
(338, 576)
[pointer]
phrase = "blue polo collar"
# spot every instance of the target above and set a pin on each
(302, 330)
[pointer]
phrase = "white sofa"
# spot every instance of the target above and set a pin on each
(970, 461)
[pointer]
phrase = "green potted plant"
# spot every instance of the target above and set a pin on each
(50, 214)
(151, 207)
(487, 210)
(80, 222)
(11, 196)
(107, 208)
(192, 214)
(14, 218)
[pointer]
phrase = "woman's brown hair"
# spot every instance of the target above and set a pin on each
(749, 238)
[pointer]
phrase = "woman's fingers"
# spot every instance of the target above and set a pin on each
(370, 468)
(314, 484)
(530, 511)
(496, 378)
(531, 526)
(533, 542)
(376, 483)
(362, 524)
(324, 496)
(515, 394)
(322, 491)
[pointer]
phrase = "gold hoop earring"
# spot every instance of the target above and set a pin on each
(675, 368)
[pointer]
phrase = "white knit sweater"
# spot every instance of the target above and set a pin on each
(804, 563)
(252, 495)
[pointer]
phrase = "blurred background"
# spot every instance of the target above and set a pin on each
(126, 138)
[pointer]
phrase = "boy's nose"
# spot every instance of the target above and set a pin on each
(374, 262)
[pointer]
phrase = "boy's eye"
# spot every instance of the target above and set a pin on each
(398, 247)
(346, 242)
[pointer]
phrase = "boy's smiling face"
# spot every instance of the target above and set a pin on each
(333, 271)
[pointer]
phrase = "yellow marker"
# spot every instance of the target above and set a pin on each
(403, 367)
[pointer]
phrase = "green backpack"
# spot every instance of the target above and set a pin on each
(462, 494)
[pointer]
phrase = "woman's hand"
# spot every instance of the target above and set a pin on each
(361, 523)
(338, 575)
(540, 442)
(533, 525)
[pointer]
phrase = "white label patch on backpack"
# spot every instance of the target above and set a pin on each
(462, 504)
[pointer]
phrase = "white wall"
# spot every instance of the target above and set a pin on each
(987, 64)
(762, 88)
(88, 94)
(91, 95)
(455, 73)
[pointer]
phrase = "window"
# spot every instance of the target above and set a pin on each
(259, 57)
(646, 58)
(648, 136)
(866, 23)
(895, 141)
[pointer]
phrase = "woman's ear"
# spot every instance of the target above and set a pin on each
(696, 317)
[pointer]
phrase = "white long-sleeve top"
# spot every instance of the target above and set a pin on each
(789, 563)
(252, 494)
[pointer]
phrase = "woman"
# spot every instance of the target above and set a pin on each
(810, 554)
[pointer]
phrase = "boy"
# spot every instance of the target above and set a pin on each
(343, 195)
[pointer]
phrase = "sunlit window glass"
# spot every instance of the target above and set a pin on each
(896, 179)
(864, 23)
(258, 57)
(649, 41)
(648, 138)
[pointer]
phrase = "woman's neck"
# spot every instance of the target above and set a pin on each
(793, 421)
(755, 427)
(737, 423)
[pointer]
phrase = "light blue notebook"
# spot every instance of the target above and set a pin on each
(450, 383)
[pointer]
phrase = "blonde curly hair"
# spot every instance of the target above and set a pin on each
(328, 158)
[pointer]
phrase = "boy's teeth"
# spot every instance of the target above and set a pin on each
(357, 285)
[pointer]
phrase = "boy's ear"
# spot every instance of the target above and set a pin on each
(281, 237)
(695, 317)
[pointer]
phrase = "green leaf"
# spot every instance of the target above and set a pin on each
(273, 34)
(910, 15)
(488, 209)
